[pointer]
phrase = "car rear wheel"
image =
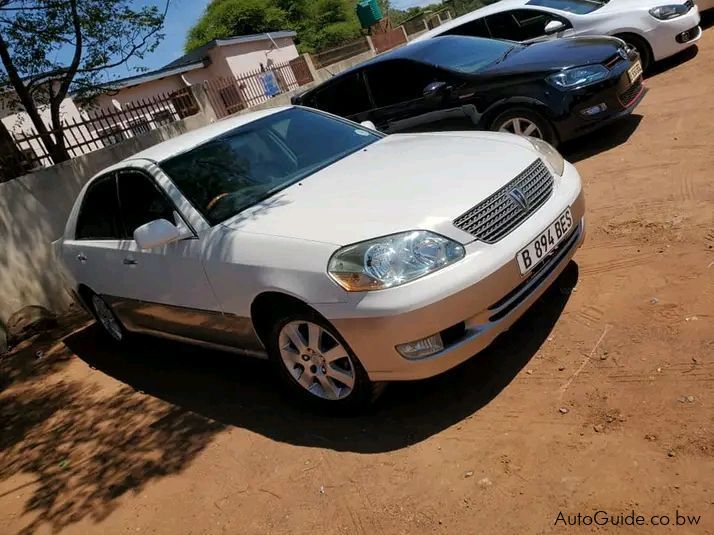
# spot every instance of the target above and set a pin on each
(107, 319)
(317, 365)
(524, 122)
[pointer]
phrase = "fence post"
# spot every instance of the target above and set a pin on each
(311, 67)
(204, 103)
(372, 50)
(404, 31)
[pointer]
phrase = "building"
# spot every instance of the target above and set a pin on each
(238, 71)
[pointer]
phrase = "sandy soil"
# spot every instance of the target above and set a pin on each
(599, 399)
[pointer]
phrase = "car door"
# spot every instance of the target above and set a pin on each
(526, 25)
(345, 96)
(397, 88)
(164, 289)
(94, 254)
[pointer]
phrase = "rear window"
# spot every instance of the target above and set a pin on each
(578, 7)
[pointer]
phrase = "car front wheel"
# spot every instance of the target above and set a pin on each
(317, 365)
(524, 122)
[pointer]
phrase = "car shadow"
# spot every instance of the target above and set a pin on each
(241, 392)
(707, 19)
(672, 62)
(606, 138)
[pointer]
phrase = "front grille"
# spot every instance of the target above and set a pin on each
(631, 93)
(499, 214)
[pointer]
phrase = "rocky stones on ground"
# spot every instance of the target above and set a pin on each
(29, 321)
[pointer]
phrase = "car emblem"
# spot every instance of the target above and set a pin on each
(519, 198)
(623, 53)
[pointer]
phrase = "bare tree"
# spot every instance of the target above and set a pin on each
(49, 47)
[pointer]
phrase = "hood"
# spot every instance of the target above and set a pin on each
(559, 54)
(402, 182)
(623, 5)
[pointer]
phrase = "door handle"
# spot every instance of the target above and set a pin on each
(81, 258)
(129, 262)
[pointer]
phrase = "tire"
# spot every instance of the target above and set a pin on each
(107, 320)
(521, 121)
(642, 47)
(300, 346)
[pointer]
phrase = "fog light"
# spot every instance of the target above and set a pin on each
(594, 110)
(421, 348)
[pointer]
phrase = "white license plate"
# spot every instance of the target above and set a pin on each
(635, 71)
(546, 241)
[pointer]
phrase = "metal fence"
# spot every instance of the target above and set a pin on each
(229, 95)
(99, 128)
(387, 40)
(333, 55)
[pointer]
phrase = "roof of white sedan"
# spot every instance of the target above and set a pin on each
(189, 140)
(476, 14)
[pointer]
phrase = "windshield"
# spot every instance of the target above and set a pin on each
(578, 7)
(245, 166)
(466, 54)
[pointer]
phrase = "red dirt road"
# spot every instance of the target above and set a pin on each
(601, 398)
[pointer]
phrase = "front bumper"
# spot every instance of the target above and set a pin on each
(487, 306)
(617, 93)
(663, 36)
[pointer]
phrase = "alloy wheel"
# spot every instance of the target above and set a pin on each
(107, 318)
(317, 361)
(522, 127)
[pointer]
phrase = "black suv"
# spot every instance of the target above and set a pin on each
(554, 90)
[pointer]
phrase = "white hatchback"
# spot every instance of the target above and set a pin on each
(345, 256)
(656, 28)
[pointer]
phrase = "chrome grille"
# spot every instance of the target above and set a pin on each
(499, 214)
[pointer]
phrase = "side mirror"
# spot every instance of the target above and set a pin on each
(554, 26)
(156, 233)
(435, 90)
(369, 124)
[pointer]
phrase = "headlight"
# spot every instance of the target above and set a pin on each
(549, 154)
(578, 76)
(392, 260)
(669, 12)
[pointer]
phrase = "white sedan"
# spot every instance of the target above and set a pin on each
(345, 256)
(656, 28)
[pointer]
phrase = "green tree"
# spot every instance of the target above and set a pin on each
(225, 18)
(50, 46)
(318, 23)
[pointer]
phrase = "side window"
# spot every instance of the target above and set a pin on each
(475, 28)
(392, 82)
(345, 96)
(99, 215)
(520, 24)
(532, 22)
(141, 201)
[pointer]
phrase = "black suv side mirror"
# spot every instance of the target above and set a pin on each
(435, 91)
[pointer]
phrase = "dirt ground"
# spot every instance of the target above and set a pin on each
(600, 398)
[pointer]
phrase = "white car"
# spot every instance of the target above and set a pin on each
(656, 28)
(345, 256)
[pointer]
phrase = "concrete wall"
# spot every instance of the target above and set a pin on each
(34, 210)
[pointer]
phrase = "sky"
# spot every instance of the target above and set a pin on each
(182, 15)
